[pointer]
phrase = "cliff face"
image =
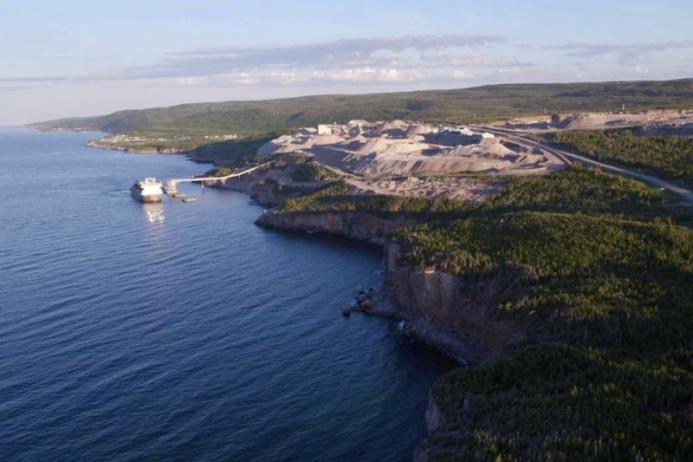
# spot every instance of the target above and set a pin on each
(134, 149)
(253, 186)
(455, 316)
(363, 227)
(264, 189)
(434, 421)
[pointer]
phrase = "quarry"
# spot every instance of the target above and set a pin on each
(399, 148)
(646, 123)
(415, 159)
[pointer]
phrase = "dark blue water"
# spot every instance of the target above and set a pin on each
(183, 331)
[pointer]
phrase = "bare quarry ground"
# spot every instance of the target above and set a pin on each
(464, 189)
(650, 123)
(457, 162)
(384, 149)
(415, 159)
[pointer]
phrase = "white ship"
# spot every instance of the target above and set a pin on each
(147, 190)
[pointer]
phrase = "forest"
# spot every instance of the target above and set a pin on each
(601, 271)
(671, 157)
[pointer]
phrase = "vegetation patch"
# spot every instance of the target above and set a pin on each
(230, 152)
(668, 156)
(470, 105)
(310, 171)
(576, 189)
(338, 197)
(608, 374)
(586, 190)
(566, 403)
(605, 290)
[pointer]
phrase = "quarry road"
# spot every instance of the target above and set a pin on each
(652, 180)
(358, 182)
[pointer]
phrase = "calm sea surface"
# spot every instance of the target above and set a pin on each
(183, 331)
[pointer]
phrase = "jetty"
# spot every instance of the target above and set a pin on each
(171, 187)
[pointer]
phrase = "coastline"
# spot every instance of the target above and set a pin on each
(414, 323)
(459, 318)
(437, 308)
(98, 144)
(205, 315)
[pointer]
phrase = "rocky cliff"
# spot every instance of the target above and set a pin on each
(363, 227)
(255, 186)
(268, 188)
(457, 317)
(134, 149)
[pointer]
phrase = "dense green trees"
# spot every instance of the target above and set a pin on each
(337, 198)
(603, 285)
(607, 373)
(493, 102)
(310, 171)
(576, 189)
(228, 152)
(668, 156)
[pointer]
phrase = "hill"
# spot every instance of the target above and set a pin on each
(255, 118)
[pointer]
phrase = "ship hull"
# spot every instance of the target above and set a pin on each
(144, 198)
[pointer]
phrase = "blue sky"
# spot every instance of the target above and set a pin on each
(77, 57)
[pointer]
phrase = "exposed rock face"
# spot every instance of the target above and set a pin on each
(261, 188)
(455, 316)
(434, 418)
(269, 187)
(255, 187)
(121, 144)
(434, 421)
(367, 228)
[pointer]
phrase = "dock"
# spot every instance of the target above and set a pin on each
(171, 188)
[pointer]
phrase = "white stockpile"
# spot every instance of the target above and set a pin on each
(375, 149)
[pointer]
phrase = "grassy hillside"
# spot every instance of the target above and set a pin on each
(256, 118)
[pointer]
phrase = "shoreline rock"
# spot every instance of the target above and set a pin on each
(353, 225)
(98, 144)
(454, 316)
(442, 310)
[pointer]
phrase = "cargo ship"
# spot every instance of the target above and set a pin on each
(148, 190)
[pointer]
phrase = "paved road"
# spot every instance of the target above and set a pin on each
(568, 157)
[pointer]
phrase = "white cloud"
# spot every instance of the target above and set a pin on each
(460, 74)
(641, 70)
(370, 74)
(626, 53)
(395, 62)
(189, 81)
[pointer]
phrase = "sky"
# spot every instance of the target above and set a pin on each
(64, 58)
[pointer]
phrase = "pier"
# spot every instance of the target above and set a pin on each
(171, 188)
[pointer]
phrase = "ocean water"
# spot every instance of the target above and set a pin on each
(183, 331)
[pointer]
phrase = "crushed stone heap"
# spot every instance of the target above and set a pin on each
(375, 149)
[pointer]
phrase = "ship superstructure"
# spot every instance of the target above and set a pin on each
(148, 190)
